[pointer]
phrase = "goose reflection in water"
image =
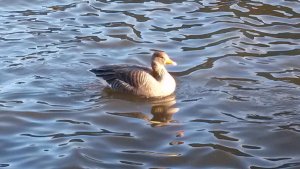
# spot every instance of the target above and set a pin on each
(162, 111)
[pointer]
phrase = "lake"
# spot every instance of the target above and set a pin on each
(237, 100)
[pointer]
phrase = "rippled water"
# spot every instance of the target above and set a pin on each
(236, 103)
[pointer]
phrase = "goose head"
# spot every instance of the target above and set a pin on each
(162, 58)
(159, 60)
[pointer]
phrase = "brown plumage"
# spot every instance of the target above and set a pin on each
(139, 80)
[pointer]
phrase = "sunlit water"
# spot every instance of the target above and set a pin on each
(237, 102)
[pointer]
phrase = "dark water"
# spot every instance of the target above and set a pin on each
(236, 103)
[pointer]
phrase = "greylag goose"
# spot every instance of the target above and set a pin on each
(139, 80)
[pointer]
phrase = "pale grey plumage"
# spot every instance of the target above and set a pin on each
(140, 80)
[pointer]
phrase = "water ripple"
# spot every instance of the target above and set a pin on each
(103, 132)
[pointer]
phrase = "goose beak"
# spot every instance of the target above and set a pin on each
(170, 62)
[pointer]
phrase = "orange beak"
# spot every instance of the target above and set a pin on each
(170, 62)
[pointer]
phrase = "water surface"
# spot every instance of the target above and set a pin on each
(236, 104)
